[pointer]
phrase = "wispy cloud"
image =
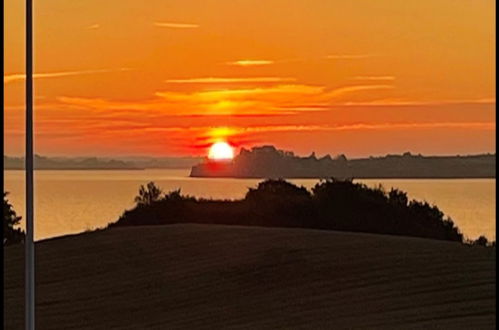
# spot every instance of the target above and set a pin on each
(249, 101)
(250, 62)
(159, 123)
(279, 99)
(220, 80)
(173, 25)
(348, 56)
(405, 102)
(261, 92)
(350, 89)
(374, 78)
(370, 126)
(259, 100)
(9, 78)
(93, 26)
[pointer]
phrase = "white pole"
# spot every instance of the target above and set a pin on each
(29, 241)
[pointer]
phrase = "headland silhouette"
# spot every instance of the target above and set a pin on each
(270, 162)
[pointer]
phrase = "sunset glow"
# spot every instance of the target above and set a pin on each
(325, 76)
(221, 151)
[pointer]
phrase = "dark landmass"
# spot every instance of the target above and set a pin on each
(49, 163)
(94, 163)
(233, 277)
(163, 162)
(269, 162)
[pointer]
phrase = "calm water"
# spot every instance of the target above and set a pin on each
(74, 201)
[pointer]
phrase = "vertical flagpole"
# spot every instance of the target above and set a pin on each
(29, 242)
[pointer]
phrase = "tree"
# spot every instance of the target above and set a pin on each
(11, 235)
(148, 194)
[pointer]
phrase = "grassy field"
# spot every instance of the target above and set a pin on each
(221, 277)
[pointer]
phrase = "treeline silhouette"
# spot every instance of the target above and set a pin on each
(331, 205)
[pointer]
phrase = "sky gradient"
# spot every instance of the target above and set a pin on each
(128, 77)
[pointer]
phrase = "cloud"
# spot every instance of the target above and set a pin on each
(306, 107)
(280, 89)
(281, 99)
(172, 25)
(221, 80)
(195, 132)
(409, 125)
(348, 56)
(249, 101)
(403, 102)
(350, 89)
(182, 119)
(374, 78)
(233, 131)
(93, 27)
(21, 76)
(250, 62)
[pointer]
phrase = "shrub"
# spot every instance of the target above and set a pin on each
(280, 189)
(11, 234)
(481, 241)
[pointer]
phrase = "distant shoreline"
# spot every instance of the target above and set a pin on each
(259, 178)
(95, 163)
(354, 178)
(77, 169)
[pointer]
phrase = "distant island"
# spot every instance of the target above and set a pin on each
(270, 162)
(94, 163)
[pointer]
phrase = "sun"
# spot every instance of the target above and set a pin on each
(221, 151)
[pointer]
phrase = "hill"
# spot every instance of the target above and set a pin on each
(214, 277)
(269, 162)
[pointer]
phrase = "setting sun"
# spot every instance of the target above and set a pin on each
(221, 151)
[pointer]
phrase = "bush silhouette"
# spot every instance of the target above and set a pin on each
(331, 205)
(276, 189)
(148, 194)
(280, 203)
(481, 241)
(174, 195)
(11, 234)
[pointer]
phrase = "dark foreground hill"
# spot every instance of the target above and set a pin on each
(231, 277)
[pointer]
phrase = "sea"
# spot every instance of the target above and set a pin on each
(74, 201)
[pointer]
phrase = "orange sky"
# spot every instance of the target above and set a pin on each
(157, 77)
